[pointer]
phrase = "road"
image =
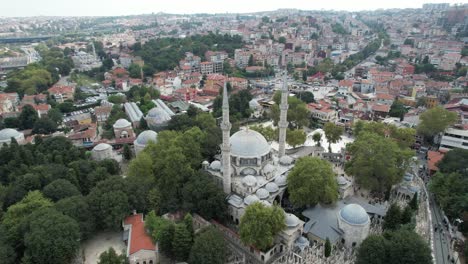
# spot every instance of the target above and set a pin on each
(441, 234)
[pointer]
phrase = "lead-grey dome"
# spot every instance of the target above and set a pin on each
(291, 220)
(146, 136)
(102, 146)
(215, 165)
(251, 199)
(157, 116)
(354, 214)
(272, 187)
(8, 133)
(262, 193)
(121, 123)
(249, 143)
(281, 180)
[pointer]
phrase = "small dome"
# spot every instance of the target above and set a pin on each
(249, 181)
(291, 220)
(262, 193)
(341, 180)
(272, 187)
(146, 136)
(268, 168)
(249, 143)
(354, 214)
(205, 162)
(285, 160)
(215, 165)
(414, 188)
(251, 199)
(281, 180)
(266, 203)
(121, 123)
(101, 147)
(8, 133)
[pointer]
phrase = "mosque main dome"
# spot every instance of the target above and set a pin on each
(249, 143)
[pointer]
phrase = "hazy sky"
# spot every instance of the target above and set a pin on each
(130, 7)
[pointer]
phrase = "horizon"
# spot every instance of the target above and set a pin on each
(105, 8)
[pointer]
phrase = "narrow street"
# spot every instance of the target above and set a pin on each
(441, 234)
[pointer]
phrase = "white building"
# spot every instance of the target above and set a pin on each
(454, 138)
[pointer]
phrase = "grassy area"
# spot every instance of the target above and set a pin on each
(82, 80)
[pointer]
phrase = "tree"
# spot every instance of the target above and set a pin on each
(188, 222)
(52, 238)
(295, 137)
(60, 189)
(127, 153)
(402, 246)
(393, 217)
(373, 250)
(208, 248)
(182, 242)
(312, 181)
(109, 203)
(282, 40)
(55, 115)
(268, 132)
(134, 70)
(77, 208)
(251, 60)
(327, 248)
(397, 109)
(450, 190)
(260, 224)
(11, 122)
(66, 107)
(17, 214)
(455, 160)
(111, 257)
(298, 115)
(317, 137)
(406, 215)
(435, 120)
(332, 133)
(141, 166)
(201, 195)
(27, 118)
(44, 125)
(165, 237)
(306, 97)
(377, 162)
(414, 202)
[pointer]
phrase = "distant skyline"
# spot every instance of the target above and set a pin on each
(25, 8)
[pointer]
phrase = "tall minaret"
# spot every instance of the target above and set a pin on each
(226, 146)
(283, 122)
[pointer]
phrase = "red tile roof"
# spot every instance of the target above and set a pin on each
(433, 157)
(138, 238)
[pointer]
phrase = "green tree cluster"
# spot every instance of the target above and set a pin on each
(401, 246)
(436, 120)
(377, 162)
(164, 53)
(260, 224)
(298, 115)
(333, 133)
(238, 105)
(312, 181)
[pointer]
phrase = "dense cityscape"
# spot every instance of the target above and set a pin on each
(279, 137)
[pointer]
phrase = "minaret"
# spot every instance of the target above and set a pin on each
(283, 122)
(226, 146)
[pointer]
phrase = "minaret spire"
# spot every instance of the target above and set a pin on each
(283, 122)
(226, 146)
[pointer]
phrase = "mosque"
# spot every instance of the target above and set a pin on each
(251, 171)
